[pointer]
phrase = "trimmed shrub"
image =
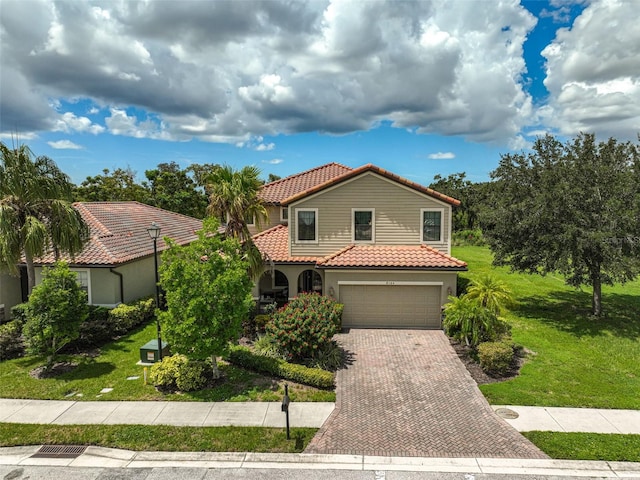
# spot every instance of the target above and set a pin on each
(495, 357)
(11, 343)
(315, 377)
(305, 325)
(177, 372)
(125, 317)
(261, 322)
(95, 330)
(19, 313)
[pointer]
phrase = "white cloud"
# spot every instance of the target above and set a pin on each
(221, 71)
(274, 161)
(442, 155)
(68, 122)
(265, 147)
(64, 145)
(592, 72)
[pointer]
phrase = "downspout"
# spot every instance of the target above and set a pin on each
(121, 283)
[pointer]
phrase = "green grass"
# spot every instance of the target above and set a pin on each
(159, 438)
(576, 361)
(117, 361)
(587, 446)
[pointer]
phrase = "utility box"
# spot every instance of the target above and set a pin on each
(149, 352)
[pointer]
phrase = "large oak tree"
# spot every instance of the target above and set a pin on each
(570, 208)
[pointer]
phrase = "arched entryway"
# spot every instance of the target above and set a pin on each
(273, 288)
(310, 281)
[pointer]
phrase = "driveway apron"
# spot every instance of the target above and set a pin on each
(406, 393)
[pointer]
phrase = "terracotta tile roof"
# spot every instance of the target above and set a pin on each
(274, 192)
(368, 168)
(274, 242)
(119, 232)
(391, 256)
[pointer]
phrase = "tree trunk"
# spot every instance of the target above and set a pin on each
(31, 271)
(596, 302)
(214, 367)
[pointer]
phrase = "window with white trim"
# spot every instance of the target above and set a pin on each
(307, 225)
(84, 281)
(362, 225)
(284, 214)
(432, 224)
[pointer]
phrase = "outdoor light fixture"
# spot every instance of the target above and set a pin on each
(154, 233)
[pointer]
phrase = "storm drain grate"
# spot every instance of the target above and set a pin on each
(59, 451)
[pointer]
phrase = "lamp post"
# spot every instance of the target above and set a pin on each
(154, 233)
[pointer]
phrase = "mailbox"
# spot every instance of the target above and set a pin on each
(149, 352)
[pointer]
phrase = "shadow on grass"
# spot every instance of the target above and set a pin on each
(570, 311)
(88, 370)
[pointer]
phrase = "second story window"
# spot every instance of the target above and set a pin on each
(431, 225)
(307, 225)
(363, 222)
(284, 214)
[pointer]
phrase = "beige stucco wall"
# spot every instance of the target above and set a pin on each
(273, 213)
(333, 277)
(139, 278)
(397, 215)
(138, 281)
(292, 272)
(10, 294)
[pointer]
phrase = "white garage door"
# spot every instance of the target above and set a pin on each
(390, 306)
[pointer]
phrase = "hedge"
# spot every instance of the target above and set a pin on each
(315, 377)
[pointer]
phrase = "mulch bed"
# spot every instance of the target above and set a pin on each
(57, 369)
(465, 354)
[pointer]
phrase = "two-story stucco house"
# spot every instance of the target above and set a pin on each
(376, 242)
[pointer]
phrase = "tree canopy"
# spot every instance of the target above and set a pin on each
(569, 208)
(208, 293)
(54, 312)
(36, 214)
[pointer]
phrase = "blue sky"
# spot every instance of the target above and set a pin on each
(419, 88)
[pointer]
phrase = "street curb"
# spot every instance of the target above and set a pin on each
(100, 457)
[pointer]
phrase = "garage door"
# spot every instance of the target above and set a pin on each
(390, 306)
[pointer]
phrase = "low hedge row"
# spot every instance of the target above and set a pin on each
(496, 357)
(315, 377)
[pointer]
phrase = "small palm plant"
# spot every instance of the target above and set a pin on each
(467, 320)
(491, 293)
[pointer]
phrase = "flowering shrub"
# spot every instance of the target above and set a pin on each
(305, 325)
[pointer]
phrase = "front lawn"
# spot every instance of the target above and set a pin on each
(576, 361)
(114, 366)
(587, 446)
(159, 437)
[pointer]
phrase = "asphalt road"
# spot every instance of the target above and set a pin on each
(8, 472)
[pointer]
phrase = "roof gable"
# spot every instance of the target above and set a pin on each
(332, 182)
(118, 232)
(275, 192)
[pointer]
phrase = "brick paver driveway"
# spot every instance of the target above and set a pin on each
(406, 393)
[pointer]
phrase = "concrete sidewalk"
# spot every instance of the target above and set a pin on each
(302, 414)
(557, 419)
(199, 414)
(96, 457)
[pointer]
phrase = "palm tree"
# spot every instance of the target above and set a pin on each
(490, 292)
(234, 197)
(36, 214)
(466, 319)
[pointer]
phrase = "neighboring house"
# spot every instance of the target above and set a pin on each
(117, 265)
(376, 242)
